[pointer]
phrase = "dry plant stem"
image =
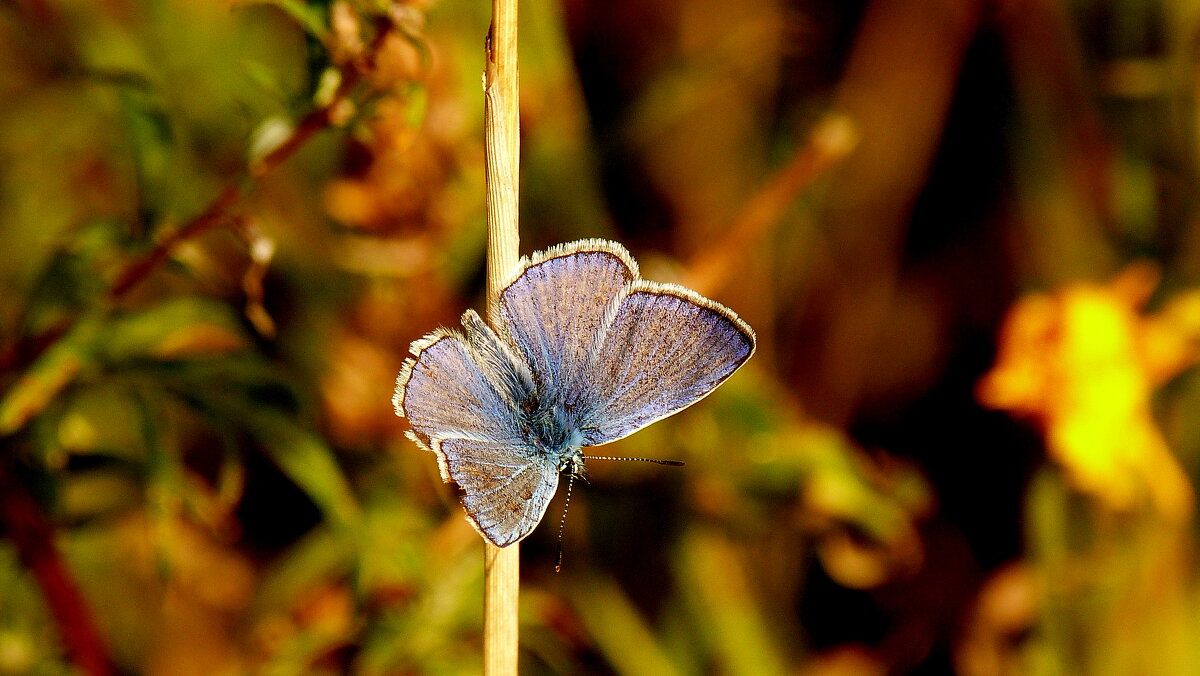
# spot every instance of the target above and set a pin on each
(501, 571)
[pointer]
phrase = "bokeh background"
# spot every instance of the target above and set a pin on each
(964, 230)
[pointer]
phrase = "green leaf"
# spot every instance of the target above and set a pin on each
(152, 142)
(621, 632)
(319, 558)
(100, 419)
(231, 479)
(266, 78)
(28, 635)
(48, 376)
(164, 478)
(73, 278)
(97, 494)
(244, 392)
(173, 329)
(720, 593)
(312, 18)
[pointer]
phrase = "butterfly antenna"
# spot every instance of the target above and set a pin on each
(669, 463)
(563, 522)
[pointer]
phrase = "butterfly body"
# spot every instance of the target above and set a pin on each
(556, 436)
(583, 352)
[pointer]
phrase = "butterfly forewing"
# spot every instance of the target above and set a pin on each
(443, 392)
(552, 312)
(505, 489)
(664, 348)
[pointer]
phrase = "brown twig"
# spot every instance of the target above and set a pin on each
(140, 269)
(501, 122)
(831, 140)
(315, 121)
(33, 537)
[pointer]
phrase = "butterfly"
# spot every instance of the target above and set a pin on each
(578, 351)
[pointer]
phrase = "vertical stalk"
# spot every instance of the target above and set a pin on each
(501, 572)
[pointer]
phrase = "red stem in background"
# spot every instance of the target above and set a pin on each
(33, 537)
(140, 269)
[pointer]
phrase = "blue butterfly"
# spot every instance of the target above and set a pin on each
(584, 352)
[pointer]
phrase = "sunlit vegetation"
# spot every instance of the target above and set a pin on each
(965, 233)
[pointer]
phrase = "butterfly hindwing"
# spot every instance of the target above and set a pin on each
(663, 349)
(505, 488)
(457, 393)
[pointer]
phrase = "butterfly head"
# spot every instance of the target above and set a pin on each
(569, 452)
(571, 463)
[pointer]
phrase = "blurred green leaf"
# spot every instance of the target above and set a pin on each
(312, 17)
(266, 78)
(246, 392)
(306, 459)
(394, 548)
(73, 279)
(96, 418)
(49, 375)
(98, 494)
(722, 600)
(28, 641)
(176, 328)
(319, 557)
(231, 478)
(164, 479)
(626, 640)
(152, 142)
(439, 631)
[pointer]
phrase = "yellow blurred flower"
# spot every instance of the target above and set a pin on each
(1083, 362)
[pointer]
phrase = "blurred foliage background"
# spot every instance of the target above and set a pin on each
(965, 231)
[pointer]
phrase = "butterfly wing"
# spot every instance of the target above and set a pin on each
(459, 408)
(553, 311)
(443, 392)
(505, 491)
(663, 349)
(575, 325)
(508, 374)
